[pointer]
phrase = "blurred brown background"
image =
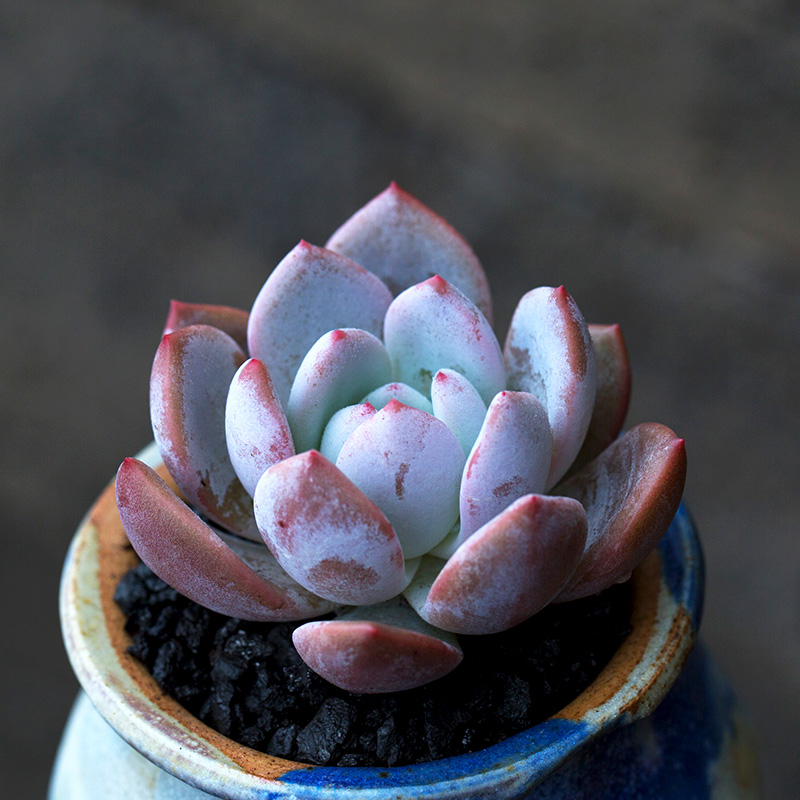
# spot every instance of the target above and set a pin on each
(646, 155)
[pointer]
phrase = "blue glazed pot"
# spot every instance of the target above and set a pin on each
(616, 740)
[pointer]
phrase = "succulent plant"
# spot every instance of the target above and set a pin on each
(411, 480)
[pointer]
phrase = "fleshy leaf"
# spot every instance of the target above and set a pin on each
(511, 458)
(232, 321)
(613, 392)
(631, 492)
(456, 402)
(312, 291)
(326, 533)
(401, 392)
(341, 425)
(403, 242)
(433, 326)
(509, 569)
(409, 464)
(385, 648)
(338, 371)
(192, 371)
(549, 353)
(190, 556)
(256, 429)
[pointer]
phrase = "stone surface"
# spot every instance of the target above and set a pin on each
(644, 155)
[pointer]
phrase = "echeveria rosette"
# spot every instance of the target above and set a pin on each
(405, 472)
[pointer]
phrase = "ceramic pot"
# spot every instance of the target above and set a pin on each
(616, 740)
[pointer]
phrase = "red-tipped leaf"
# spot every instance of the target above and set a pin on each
(509, 569)
(189, 555)
(326, 533)
(631, 492)
(312, 291)
(403, 242)
(433, 326)
(189, 382)
(510, 458)
(549, 353)
(256, 429)
(377, 649)
(232, 321)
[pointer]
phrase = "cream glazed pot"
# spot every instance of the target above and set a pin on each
(659, 721)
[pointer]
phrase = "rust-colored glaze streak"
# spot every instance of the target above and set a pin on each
(646, 587)
(115, 558)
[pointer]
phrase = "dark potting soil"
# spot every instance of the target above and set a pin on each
(246, 680)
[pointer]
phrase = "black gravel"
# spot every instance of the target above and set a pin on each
(246, 680)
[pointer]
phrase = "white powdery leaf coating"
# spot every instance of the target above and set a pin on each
(511, 458)
(341, 425)
(433, 326)
(259, 559)
(401, 392)
(409, 464)
(549, 353)
(256, 429)
(380, 648)
(456, 402)
(218, 571)
(509, 569)
(192, 371)
(326, 534)
(631, 492)
(403, 242)
(312, 291)
(341, 367)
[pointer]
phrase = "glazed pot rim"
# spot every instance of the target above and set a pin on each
(667, 605)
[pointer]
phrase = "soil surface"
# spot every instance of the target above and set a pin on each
(246, 680)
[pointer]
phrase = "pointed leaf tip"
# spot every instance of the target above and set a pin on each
(433, 326)
(232, 321)
(192, 558)
(409, 464)
(510, 568)
(369, 657)
(192, 371)
(311, 292)
(256, 429)
(548, 352)
(326, 533)
(631, 493)
(403, 242)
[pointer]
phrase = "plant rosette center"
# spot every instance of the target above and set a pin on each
(360, 444)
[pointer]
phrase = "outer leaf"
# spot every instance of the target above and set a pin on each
(549, 354)
(401, 392)
(409, 464)
(378, 649)
(232, 321)
(403, 242)
(511, 458)
(185, 552)
(631, 492)
(509, 569)
(341, 425)
(192, 371)
(312, 291)
(337, 372)
(256, 429)
(433, 326)
(613, 392)
(456, 402)
(326, 534)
